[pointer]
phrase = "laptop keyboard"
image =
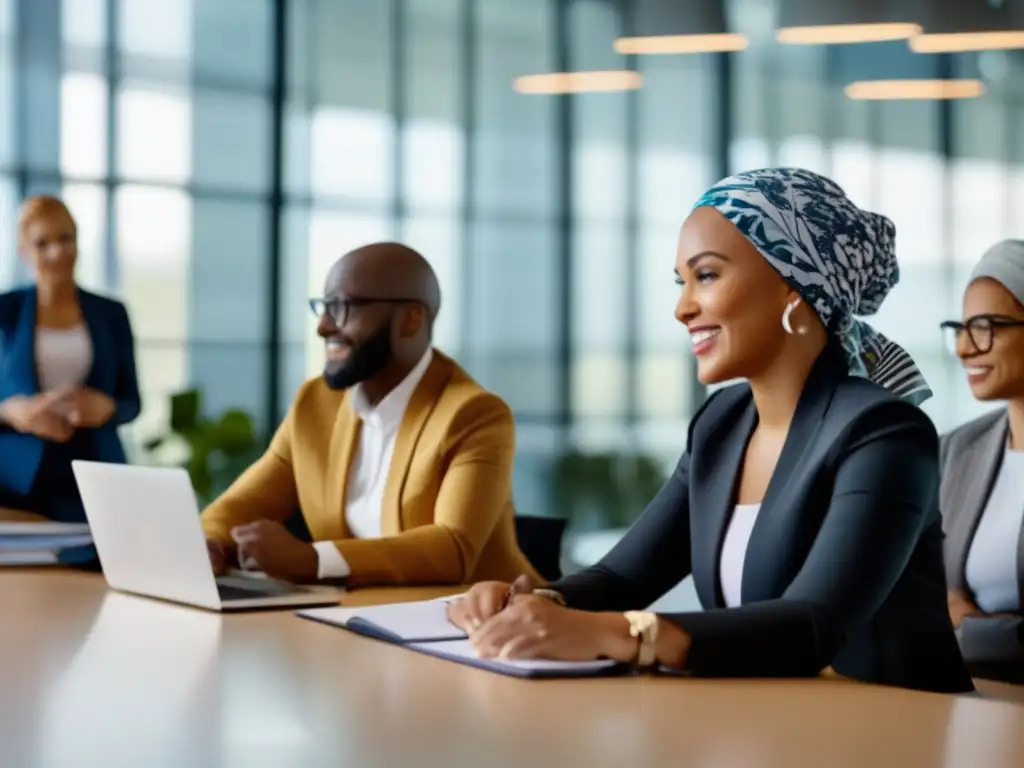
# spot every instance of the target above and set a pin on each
(245, 589)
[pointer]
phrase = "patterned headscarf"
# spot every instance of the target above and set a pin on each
(839, 258)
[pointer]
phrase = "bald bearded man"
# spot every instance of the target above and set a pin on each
(400, 463)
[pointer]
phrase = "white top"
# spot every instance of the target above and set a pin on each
(63, 356)
(734, 552)
(368, 475)
(992, 559)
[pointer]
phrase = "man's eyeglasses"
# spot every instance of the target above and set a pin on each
(338, 309)
(980, 329)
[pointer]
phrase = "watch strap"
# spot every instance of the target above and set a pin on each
(550, 594)
(643, 625)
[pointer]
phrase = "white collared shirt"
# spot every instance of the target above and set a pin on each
(368, 475)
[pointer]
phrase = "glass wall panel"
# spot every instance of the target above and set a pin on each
(83, 125)
(433, 139)
(552, 224)
(789, 108)
(6, 81)
(153, 240)
(983, 207)
(8, 243)
(439, 238)
(233, 43)
(231, 140)
(88, 204)
(514, 274)
(154, 132)
(677, 126)
(602, 159)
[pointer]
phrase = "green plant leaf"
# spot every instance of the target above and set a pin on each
(186, 410)
(236, 433)
(604, 490)
(218, 449)
(199, 472)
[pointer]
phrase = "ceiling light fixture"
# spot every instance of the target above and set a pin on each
(901, 90)
(679, 26)
(971, 25)
(837, 22)
(597, 81)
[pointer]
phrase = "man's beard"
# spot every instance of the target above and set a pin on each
(364, 362)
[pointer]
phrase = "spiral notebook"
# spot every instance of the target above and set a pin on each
(423, 627)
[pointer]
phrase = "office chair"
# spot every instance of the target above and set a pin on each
(540, 540)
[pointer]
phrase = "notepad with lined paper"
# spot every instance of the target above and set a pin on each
(424, 627)
(402, 623)
(462, 652)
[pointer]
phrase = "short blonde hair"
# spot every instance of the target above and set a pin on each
(40, 207)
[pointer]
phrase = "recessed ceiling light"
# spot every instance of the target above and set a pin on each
(579, 82)
(835, 22)
(958, 26)
(678, 26)
(899, 90)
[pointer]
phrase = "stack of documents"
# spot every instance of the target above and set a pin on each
(39, 543)
(424, 627)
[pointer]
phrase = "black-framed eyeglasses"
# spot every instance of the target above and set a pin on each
(980, 329)
(338, 309)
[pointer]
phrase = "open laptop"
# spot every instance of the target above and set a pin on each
(145, 526)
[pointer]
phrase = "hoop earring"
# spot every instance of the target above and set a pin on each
(787, 325)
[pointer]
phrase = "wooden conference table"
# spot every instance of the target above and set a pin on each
(91, 678)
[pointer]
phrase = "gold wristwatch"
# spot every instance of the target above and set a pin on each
(643, 625)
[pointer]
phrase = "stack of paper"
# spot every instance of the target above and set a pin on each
(424, 627)
(39, 543)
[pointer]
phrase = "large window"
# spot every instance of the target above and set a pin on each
(789, 109)
(158, 138)
(551, 221)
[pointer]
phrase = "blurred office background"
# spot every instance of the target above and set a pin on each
(219, 155)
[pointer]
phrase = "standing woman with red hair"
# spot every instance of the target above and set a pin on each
(67, 371)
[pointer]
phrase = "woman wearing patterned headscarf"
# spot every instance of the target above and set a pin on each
(805, 504)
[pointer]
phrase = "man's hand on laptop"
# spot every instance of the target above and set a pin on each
(220, 556)
(275, 551)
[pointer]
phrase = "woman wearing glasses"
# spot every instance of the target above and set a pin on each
(982, 493)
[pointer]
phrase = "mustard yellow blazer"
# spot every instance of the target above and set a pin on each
(447, 514)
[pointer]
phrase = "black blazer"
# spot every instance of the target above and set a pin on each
(844, 565)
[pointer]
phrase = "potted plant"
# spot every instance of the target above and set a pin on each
(601, 491)
(218, 449)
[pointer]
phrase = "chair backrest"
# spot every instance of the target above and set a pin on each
(540, 539)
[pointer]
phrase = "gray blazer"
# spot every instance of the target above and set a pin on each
(970, 457)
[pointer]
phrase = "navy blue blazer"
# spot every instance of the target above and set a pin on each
(112, 372)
